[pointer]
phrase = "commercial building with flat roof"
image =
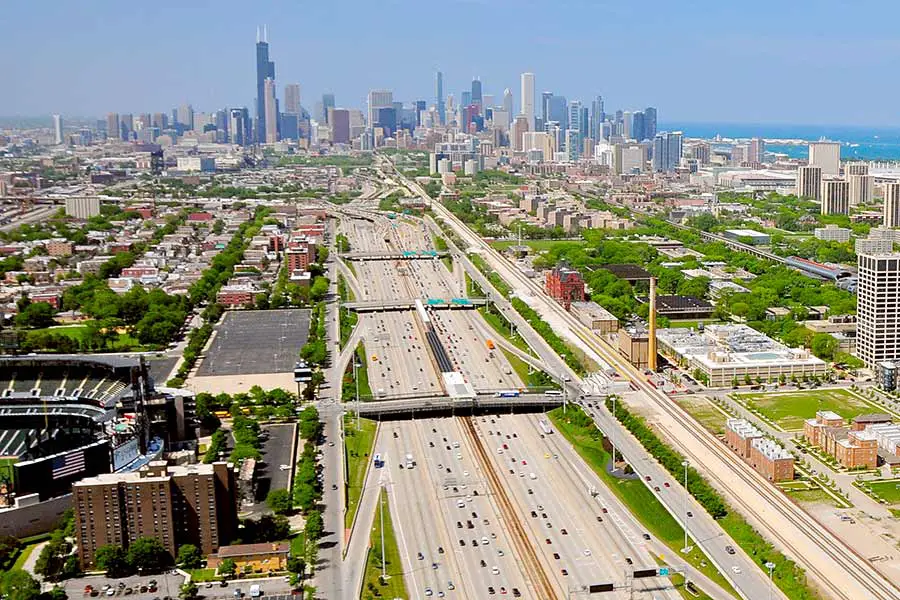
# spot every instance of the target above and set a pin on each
(727, 352)
(193, 504)
(757, 238)
(596, 317)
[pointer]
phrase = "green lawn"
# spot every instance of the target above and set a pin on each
(348, 389)
(588, 442)
(394, 587)
(201, 575)
(789, 409)
(706, 413)
(889, 490)
(123, 342)
(23, 555)
(358, 444)
(501, 326)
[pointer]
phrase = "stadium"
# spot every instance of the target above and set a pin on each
(63, 418)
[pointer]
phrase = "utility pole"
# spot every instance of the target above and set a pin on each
(612, 438)
(771, 567)
(381, 513)
(686, 548)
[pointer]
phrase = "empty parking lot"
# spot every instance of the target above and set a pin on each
(253, 342)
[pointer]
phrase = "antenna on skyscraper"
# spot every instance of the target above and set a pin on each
(266, 33)
(257, 34)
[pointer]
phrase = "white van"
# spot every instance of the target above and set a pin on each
(255, 592)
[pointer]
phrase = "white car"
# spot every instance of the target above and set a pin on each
(736, 570)
(495, 570)
(284, 467)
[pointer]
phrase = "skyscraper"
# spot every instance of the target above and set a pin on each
(527, 92)
(809, 182)
(340, 127)
(576, 127)
(327, 102)
(558, 110)
(508, 105)
(236, 126)
(638, 126)
(627, 122)
(379, 99)
(597, 117)
(545, 106)
(439, 97)
(112, 126)
(265, 69)
(185, 116)
(667, 151)
(476, 92)
(270, 112)
(861, 183)
(835, 197)
(757, 150)
(878, 320)
(826, 155)
(649, 123)
(892, 204)
(292, 98)
(57, 130)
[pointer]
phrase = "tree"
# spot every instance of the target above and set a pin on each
(188, 591)
(279, 501)
(9, 546)
(19, 585)
(189, 556)
(35, 314)
(112, 559)
(52, 562)
(57, 593)
(314, 526)
(227, 567)
(147, 554)
(824, 346)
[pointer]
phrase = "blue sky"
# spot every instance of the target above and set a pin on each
(790, 61)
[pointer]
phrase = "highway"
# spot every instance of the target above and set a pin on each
(834, 566)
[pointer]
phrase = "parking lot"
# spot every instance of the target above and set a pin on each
(276, 451)
(167, 584)
(254, 342)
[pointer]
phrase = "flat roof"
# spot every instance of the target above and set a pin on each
(627, 272)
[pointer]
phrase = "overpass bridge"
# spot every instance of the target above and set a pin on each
(410, 304)
(394, 255)
(430, 405)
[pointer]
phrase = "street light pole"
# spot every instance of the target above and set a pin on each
(356, 380)
(771, 567)
(381, 513)
(684, 507)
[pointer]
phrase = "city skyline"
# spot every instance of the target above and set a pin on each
(209, 67)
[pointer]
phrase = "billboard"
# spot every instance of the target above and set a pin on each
(53, 475)
(125, 454)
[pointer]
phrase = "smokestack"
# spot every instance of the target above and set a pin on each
(651, 342)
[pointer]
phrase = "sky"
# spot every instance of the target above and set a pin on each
(785, 61)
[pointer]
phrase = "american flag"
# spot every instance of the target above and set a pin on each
(70, 464)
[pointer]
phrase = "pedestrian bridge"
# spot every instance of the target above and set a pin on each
(410, 304)
(395, 255)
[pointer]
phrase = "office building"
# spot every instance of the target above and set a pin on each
(265, 70)
(597, 118)
(545, 107)
(476, 93)
(667, 151)
(892, 204)
(527, 93)
(558, 111)
(194, 504)
(270, 113)
(809, 182)
(184, 116)
(650, 122)
(57, 130)
(878, 308)
(826, 155)
(517, 133)
(379, 99)
(292, 98)
(835, 197)
(112, 126)
(340, 125)
(508, 105)
(439, 97)
(638, 128)
(327, 103)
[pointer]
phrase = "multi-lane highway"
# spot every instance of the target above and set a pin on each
(843, 573)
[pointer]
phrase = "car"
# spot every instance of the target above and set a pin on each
(564, 572)
(209, 584)
(736, 569)
(647, 478)
(599, 519)
(223, 583)
(495, 570)
(331, 444)
(564, 531)
(237, 593)
(729, 549)
(484, 540)
(556, 555)
(420, 556)
(440, 593)
(603, 510)
(459, 524)
(549, 525)
(434, 566)
(547, 541)
(628, 560)
(690, 514)
(395, 435)
(111, 592)
(428, 591)
(483, 564)
(474, 542)
(450, 586)
(440, 549)
(516, 593)
(667, 484)
(530, 491)
(646, 536)
(491, 590)
(500, 553)
(462, 542)
(655, 488)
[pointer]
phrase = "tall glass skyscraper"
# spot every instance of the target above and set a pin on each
(439, 97)
(265, 69)
(476, 92)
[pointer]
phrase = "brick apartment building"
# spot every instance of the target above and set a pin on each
(854, 446)
(60, 248)
(767, 457)
(194, 504)
(236, 295)
(565, 285)
(299, 254)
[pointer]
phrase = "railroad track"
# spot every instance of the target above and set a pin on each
(849, 560)
(534, 570)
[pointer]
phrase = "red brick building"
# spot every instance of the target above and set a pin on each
(766, 456)
(299, 254)
(565, 285)
(236, 295)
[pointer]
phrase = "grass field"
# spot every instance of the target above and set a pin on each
(394, 587)
(358, 444)
(123, 342)
(889, 490)
(788, 410)
(501, 326)
(706, 413)
(588, 442)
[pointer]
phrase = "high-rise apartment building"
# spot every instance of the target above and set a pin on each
(597, 117)
(575, 124)
(667, 151)
(892, 204)
(527, 93)
(809, 182)
(194, 504)
(517, 133)
(650, 122)
(439, 97)
(757, 150)
(57, 130)
(835, 197)
(826, 155)
(862, 189)
(292, 98)
(270, 113)
(878, 308)
(265, 69)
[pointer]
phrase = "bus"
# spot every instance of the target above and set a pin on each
(378, 462)
(553, 393)
(490, 344)
(508, 394)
